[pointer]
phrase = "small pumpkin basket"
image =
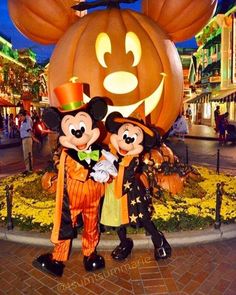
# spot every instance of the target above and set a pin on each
(49, 182)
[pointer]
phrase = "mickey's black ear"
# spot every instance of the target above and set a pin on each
(97, 108)
(112, 126)
(52, 118)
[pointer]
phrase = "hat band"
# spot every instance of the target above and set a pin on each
(142, 126)
(72, 105)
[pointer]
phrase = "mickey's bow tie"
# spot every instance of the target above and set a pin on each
(93, 155)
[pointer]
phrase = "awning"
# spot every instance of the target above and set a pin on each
(5, 103)
(214, 40)
(224, 96)
(201, 98)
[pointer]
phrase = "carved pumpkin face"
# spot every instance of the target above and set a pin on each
(124, 56)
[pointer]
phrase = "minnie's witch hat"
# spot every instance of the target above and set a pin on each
(137, 118)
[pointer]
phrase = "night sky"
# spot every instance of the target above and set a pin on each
(43, 52)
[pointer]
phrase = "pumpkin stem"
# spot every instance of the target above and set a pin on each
(97, 3)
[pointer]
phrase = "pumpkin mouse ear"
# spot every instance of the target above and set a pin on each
(42, 21)
(181, 20)
(97, 108)
(52, 118)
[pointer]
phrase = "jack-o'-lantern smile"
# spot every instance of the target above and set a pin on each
(150, 102)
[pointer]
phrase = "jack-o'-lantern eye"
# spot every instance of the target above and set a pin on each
(132, 43)
(102, 46)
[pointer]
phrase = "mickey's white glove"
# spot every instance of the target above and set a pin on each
(112, 170)
(105, 165)
(100, 176)
(105, 168)
(109, 156)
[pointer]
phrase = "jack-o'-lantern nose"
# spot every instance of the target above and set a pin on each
(120, 82)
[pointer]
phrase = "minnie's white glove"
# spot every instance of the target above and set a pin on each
(109, 156)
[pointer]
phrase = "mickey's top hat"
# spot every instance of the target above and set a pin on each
(70, 96)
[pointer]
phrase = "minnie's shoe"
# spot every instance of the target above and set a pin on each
(93, 262)
(46, 264)
(164, 251)
(123, 250)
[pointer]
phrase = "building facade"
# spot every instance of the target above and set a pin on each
(214, 69)
(22, 81)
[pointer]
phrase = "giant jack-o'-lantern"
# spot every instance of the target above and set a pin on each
(127, 57)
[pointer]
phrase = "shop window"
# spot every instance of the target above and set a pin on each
(232, 110)
(207, 110)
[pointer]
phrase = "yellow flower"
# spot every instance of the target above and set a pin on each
(192, 210)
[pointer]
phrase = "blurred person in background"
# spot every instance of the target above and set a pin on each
(27, 137)
(188, 115)
(216, 116)
(1, 121)
(222, 122)
(39, 131)
(180, 128)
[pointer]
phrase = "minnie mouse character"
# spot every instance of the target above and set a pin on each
(126, 201)
(77, 193)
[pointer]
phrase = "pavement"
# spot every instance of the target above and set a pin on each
(206, 269)
(141, 241)
(6, 142)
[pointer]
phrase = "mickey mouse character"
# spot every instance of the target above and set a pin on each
(126, 201)
(77, 193)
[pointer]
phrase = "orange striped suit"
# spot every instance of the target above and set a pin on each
(76, 193)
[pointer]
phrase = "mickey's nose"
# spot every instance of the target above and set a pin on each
(77, 133)
(129, 140)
